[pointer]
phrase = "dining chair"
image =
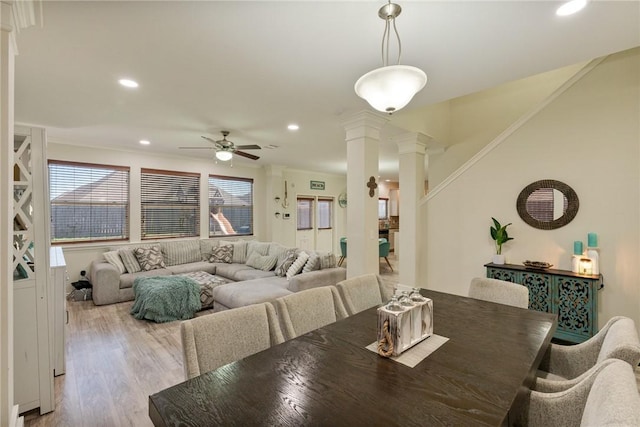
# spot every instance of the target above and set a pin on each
(499, 291)
(383, 250)
(304, 311)
(214, 340)
(607, 397)
(360, 293)
(343, 250)
(618, 339)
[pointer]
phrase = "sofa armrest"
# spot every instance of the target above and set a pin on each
(317, 278)
(105, 279)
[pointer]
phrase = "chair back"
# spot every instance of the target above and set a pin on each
(499, 291)
(383, 247)
(304, 311)
(343, 247)
(613, 399)
(360, 293)
(214, 340)
(621, 342)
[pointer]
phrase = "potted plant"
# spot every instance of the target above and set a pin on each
(500, 235)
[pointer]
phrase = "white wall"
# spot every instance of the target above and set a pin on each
(589, 138)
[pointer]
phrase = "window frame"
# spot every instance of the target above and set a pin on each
(330, 201)
(125, 206)
(195, 232)
(212, 207)
(311, 215)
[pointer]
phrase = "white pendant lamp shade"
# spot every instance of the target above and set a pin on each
(224, 155)
(389, 89)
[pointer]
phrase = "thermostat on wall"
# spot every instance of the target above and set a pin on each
(286, 215)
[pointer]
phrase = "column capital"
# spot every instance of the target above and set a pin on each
(364, 124)
(413, 142)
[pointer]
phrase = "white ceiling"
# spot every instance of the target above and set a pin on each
(254, 67)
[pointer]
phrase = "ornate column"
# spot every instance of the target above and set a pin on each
(411, 148)
(362, 136)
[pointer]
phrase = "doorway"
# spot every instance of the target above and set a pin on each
(315, 223)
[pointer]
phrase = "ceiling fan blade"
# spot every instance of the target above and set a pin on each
(247, 155)
(197, 148)
(248, 147)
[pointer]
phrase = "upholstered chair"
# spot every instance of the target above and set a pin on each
(360, 293)
(304, 311)
(383, 250)
(606, 397)
(499, 291)
(214, 340)
(618, 339)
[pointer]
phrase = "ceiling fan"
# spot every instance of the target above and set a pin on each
(225, 149)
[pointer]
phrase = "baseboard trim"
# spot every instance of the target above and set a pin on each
(15, 420)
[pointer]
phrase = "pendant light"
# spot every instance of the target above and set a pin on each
(390, 87)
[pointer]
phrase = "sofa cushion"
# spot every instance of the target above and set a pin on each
(262, 248)
(206, 247)
(129, 260)
(114, 259)
(239, 250)
(249, 292)
(261, 262)
(253, 274)
(298, 264)
(276, 249)
(149, 258)
(126, 280)
(229, 270)
(176, 253)
(327, 260)
(192, 267)
(222, 254)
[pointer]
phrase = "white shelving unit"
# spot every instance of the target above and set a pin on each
(32, 293)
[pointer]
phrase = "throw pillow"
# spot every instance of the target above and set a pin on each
(150, 258)
(327, 260)
(297, 265)
(239, 250)
(222, 254)
(261, 262)
(285, 261)
(114, 259)
(129, 260)
(313, 263)
(262, 248)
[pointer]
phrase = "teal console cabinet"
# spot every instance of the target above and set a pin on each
(573, 297)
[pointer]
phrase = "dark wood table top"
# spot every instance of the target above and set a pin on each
(327, 377)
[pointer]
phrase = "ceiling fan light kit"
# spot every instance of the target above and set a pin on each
(390, 87)
(224, 155)
(225, 149)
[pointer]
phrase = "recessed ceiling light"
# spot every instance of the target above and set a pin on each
(128, 83)
(293, 126)
(144, 142)
(571, 7)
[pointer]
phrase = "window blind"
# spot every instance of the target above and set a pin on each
(305, 213)
(89, 202)
(230, 205)
(170, 204)
(325, 212)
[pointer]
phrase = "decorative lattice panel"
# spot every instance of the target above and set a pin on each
(539, 290)
(23, 233)
(574, 305)
(506, 275)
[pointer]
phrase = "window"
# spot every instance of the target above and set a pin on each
(383, 205)
(325, 211)
(305, 213)
(230, 206)
(89, 202)
(170, 204)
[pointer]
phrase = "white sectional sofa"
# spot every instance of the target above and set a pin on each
(253, 279)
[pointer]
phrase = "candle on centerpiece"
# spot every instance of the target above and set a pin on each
(592, 240)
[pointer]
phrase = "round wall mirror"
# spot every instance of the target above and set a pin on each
(547, 204)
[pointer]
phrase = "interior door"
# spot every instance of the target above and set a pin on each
(315, 223)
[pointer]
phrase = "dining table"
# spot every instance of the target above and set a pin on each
(327, 377)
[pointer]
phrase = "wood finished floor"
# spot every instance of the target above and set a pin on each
(114, 362)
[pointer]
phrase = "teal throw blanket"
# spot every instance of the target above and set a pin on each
(165, 298)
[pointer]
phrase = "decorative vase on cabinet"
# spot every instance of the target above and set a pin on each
(573, 297)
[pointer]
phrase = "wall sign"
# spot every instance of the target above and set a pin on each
(317, 185)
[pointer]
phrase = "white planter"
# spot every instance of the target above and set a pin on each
(498, 259)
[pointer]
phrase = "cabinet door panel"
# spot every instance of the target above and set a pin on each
(539, 286)
(506, 275)
(573, 302)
